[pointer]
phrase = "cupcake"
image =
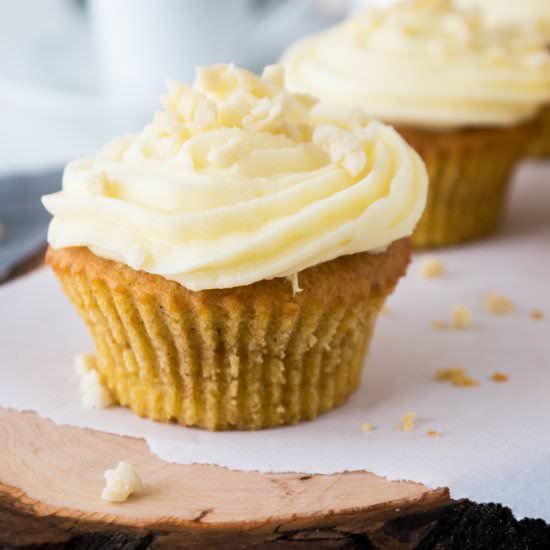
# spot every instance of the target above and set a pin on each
(464, 96)
(530, 18)
(231, 259)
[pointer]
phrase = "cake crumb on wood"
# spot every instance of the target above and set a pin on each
(457, 376)
(407, 422)
(431, 268)
(499, 377)
(498, 304)
(461, 316)
(120, 483)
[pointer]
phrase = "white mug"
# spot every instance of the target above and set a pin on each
(142, 42)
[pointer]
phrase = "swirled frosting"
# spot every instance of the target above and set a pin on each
(532, 13)
(237, 181)
(424, 63)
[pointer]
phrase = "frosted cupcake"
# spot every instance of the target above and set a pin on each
(462, 95)
(231, 259)
(530, 18)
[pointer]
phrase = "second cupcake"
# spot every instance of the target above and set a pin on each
(465, 97)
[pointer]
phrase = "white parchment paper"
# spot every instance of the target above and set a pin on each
(495, 438)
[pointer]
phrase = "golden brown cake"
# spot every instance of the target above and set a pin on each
(466, 96)
(241, 358)
(231, 259)
(469, 172)
(540, 145)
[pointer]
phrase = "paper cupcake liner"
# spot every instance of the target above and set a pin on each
(246, 358)
(469, 173)
(540, 146)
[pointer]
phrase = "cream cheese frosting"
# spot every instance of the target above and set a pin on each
(516, 12)
(424, 63)
(236, 181)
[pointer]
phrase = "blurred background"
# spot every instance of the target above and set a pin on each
(74, 73)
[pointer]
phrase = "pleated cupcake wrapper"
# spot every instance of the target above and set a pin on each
(469, 181)
(540, 146)
(223, 367)
(466, 197)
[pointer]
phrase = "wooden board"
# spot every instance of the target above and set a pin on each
(56, 471)
(62, 467)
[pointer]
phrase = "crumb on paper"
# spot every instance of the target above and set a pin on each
(537, 315)
(433, 433)
(367, 427)
(407, 422)
(93, 393)
(295, 283)
(386, 310)
(499, 377)
(120, 483)
(498, 304)
(438, 324)
(84, 362)
(431, 268)
(457, 376)
(461, 316)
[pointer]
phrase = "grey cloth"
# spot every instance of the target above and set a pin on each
(24, 219)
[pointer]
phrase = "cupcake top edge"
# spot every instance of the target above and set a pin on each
(425, 63)
(238, 180)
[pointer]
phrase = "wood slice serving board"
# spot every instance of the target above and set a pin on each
(55, 472)
(51, 479)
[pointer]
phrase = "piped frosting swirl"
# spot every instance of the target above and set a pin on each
(238, 180)
(425, 63)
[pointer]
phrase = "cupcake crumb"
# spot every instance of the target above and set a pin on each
(295, 283)
(457, 377)
(386, 310)
(84, 362)
(497, 304)
(461, 316)
(431, 268)
(499, 377)
(120, 483)
(367, 427)
(438, 324)
(407, 422)
(537, 315)
(433, 433)
(93, 393)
